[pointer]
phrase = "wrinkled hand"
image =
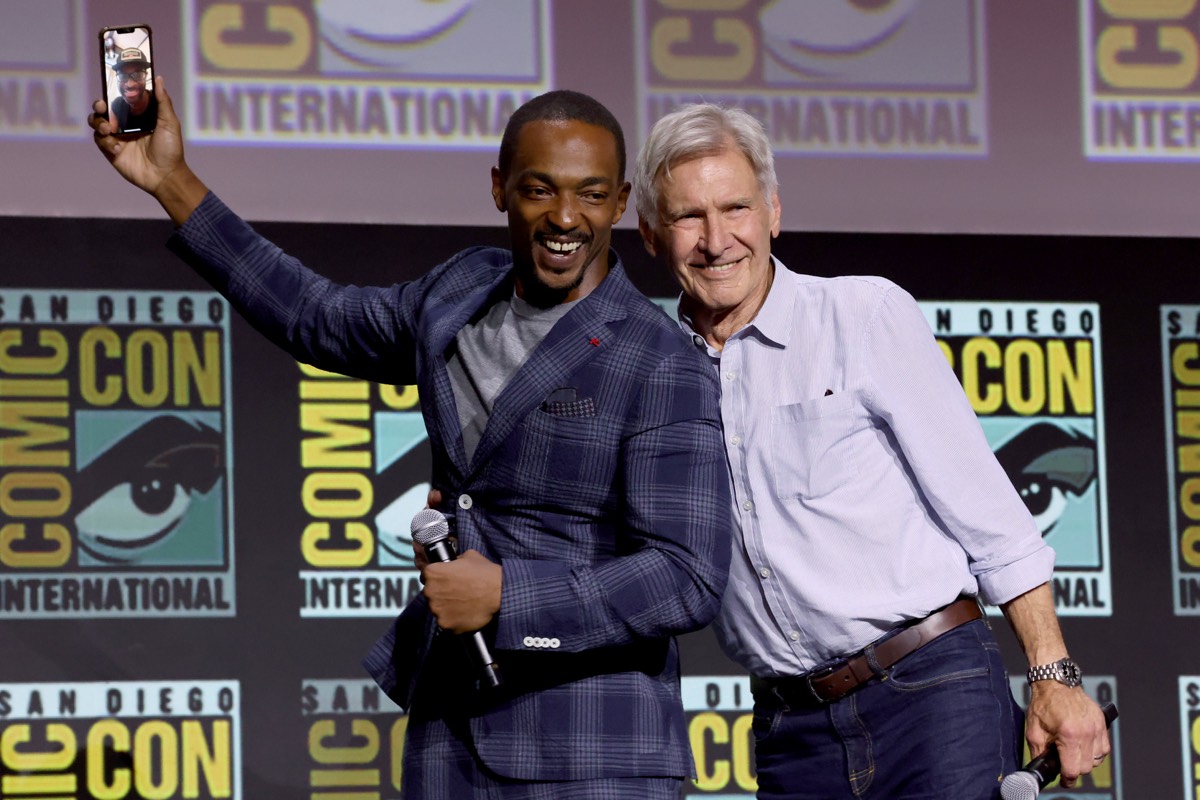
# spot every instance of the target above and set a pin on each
(464, 594)
(145, 160)
(1069, 719)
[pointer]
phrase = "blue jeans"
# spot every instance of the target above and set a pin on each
(941, 724)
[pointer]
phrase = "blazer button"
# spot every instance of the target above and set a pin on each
(465, 501)
(527, 641)
(554, 643)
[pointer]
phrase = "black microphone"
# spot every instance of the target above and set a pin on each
(430, 528)
(1028, 783)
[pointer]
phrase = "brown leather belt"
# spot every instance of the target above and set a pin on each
(832, 684)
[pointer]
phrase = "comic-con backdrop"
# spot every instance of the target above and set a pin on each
(200, 538)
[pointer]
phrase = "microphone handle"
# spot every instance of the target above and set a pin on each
(1047, 766)
(440, 552)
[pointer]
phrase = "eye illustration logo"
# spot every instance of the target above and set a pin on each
(1048, 466)
(140, 493)
(386, 33)
(812, 37)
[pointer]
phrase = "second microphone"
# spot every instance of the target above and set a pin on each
(431, 530)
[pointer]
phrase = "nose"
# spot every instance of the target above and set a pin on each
(565, 212)
(715, 238)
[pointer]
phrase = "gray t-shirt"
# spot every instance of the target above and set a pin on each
(489, 352)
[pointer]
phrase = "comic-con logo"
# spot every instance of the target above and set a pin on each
(1032, 373)
(1189, 723)
(835, 76)
(114, 455)
(42, 70)
(1141, 79)
(719, 714)
(1181, 395)
(366, 463)
(337, 72)
(353, 738)
(163, 739)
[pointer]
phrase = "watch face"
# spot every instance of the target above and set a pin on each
(1069, 673)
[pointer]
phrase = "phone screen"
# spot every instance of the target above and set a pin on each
(127, 66)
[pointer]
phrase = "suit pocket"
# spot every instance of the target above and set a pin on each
(813, 444)
(570, 456)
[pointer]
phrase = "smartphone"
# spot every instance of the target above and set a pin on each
(127, 75)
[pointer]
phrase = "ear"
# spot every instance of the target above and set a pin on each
(622, 202)
(776, 215)
(647, 231)
(498, 190)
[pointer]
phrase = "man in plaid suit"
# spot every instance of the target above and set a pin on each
(576, 444)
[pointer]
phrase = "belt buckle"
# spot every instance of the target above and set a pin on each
(808, 684)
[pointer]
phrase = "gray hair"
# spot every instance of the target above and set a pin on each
(694, 131)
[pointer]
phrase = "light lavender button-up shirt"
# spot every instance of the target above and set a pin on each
(865, 491)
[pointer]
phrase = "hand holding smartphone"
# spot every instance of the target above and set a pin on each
(127, 77)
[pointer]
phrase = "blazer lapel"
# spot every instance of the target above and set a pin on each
(575, 339)
(442, 331)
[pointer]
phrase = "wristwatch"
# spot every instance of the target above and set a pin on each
(1064, 671)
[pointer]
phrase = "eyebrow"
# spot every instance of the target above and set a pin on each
(544, 177)
(683, 211)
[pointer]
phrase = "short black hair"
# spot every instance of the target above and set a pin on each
(561, 105)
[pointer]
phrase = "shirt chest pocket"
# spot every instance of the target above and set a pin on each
(814, 445)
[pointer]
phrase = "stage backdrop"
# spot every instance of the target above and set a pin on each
(200, 636)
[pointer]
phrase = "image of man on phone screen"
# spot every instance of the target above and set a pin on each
(134, 109)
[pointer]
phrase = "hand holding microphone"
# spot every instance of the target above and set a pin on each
(456, 601)
(1028, 782)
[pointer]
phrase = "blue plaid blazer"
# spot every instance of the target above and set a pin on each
(599, 485)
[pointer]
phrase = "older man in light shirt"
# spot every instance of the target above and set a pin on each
(873, 515)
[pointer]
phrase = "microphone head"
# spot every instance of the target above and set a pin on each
(1022, 785)
(429, 526)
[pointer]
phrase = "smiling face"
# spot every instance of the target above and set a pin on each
(563, 193)
(714, 229)
(132, 82)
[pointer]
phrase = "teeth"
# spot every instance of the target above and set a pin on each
(562, 247)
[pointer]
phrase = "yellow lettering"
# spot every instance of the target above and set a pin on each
(742, 738)
(1024, 358)
(138, 367)
(1073, 375)
(319, 451)
(975, 351)
(1148, 9)
(92, 339)
(107, 736)
(337, 555)
(220, 19)
(213, 760)
(402, 400)
(52, 549)
(324, 730)
(188, 369)
(152, 738)
(51, 364)
(28, 448)
(50, 494)
(705, 727)
(1189, 545)
(673, 31)
(1118, 39)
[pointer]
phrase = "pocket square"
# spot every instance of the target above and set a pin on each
(565, 403)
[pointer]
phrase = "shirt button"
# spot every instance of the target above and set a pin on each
(748, 505)
(465, 501)
(735, 439)
(766, 573)
(730, 375)
(554, 643)
(794, 636)
(527, 641)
